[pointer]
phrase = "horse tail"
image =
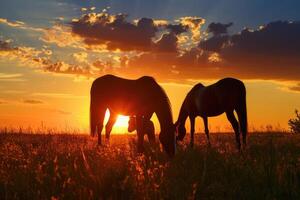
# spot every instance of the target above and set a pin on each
(242, 112)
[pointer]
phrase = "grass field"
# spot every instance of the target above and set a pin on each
(56, 166)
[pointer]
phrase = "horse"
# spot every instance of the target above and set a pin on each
(140, 98)
(227, 95)
(148, 128)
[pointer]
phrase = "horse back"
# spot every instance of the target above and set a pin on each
(230, 92)
(124, 94)
(217, 98)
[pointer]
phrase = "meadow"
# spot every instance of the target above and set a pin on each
(72, 166)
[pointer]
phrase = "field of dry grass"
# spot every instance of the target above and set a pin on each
(57, 166)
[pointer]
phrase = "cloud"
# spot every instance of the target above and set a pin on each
(40, 59)
(269, 52)
(11, 77)
(215, 43)
(167, 43)
(176, 28)
(194, 24)
(111, 43)
(5, 45)
(19, 24)
(218, 28)
(80, 57)
(32, 101)
(295, 88)
(114, 31)
(62, 36)
(12, 24)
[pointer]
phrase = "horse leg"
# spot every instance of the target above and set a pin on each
(149, 128)
(100, 124)
(109, 125)
(140, 134)
(235, 125)
(242, 116)
(205, 121)
(192, 120)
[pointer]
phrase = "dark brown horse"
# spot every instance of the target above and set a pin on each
(140, 98)
(148, 128)
(227, 95)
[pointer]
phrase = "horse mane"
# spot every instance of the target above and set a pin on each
(183, 112)
(164, 95)
(161, 92)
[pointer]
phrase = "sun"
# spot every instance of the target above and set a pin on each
(122, 121)
(121, 124)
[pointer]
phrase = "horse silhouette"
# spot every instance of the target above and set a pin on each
(227, 95)
(148, 128)
(140, 98)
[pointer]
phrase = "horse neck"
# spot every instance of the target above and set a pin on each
(164, 115)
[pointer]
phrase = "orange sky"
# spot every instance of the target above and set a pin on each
(38, 99)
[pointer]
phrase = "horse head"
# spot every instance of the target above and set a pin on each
(168, 140)
(132, 124)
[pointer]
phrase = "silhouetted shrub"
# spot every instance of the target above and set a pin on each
(295, 123)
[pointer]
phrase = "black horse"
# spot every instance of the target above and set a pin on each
(148, 128)
(226, 95)
(140, 98)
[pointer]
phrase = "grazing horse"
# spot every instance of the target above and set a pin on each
(140, 98)
(148, 128)
(226, 95)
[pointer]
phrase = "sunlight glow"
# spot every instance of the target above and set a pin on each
(122, 121)
(121, 124)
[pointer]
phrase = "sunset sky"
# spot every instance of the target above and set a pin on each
(52, 50)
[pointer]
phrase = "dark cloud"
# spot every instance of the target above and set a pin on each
(276, 38)
(6, 45)
(32, 101)
(270, 52)
(167, 43)
(214, 43)
(115, 32)
(177, 28)
(218, 28)
(165, 50)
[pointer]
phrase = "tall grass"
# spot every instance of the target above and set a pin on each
(73, 167)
